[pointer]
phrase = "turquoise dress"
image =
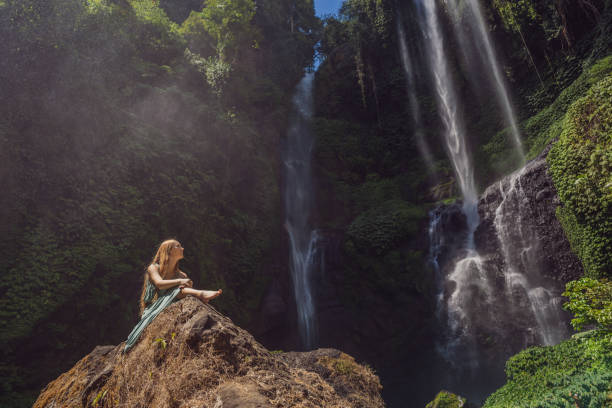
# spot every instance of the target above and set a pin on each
(164, 298)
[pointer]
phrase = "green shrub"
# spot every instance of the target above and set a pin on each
(544, 127)
(576, 372)
(581, 168)
(591, 303)
(446, 399)
(382, 228)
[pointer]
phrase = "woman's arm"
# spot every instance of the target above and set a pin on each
(160, 283)
(189, 284)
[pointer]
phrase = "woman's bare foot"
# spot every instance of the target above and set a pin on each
(206, 295)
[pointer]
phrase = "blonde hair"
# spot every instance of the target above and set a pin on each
(162, 257)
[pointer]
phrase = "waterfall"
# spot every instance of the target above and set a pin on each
(436, 245)
(499, 297)
(483, 296)
(481, 41)
(454, 136)
(298, 203)
(412, 97)
(454, 133)
(521, 254)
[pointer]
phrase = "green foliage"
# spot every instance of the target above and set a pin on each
(198, 38)
(150, 11)
(546, 125)
(445, 399)
(99, 397)
(383, 228)
(590, 301)
(216, 72)
(366, 18)
(161, 342)
(576, 372)
(342, 147)
(498, 156)
(515, 13)
(343, 366)
(581, 168)
(159, 37)
(358, 39)
(226, 23)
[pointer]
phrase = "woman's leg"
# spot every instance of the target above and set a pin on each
(203, 295)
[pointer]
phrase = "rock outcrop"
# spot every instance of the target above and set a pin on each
(535, 202)
(193, 356)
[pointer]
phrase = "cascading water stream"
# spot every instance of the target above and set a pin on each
(481, 39)
(469, 295)
(454, 134)
(298, 203)
(412, 97)
(521, 253)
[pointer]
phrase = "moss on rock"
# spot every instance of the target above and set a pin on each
(581, 168)
(446, 399)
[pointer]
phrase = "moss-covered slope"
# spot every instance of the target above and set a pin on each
(581, 167)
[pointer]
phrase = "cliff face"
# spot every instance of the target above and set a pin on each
(531, 201)
(512, 283)
(191, 355)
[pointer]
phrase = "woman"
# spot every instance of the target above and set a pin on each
(164, 283)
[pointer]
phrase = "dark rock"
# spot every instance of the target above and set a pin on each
(538, 207)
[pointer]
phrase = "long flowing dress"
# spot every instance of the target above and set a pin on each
(164, 298)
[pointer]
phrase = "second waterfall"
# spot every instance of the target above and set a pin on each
(298, 196)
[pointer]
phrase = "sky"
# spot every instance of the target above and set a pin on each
(323, 7)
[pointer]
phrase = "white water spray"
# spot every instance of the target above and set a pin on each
(412, 97)
(482, 42)
(521, 252)
(454, 133)
(298, 203)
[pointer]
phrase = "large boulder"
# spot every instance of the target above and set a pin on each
(191, 355)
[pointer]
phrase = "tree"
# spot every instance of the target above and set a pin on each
(228, 23)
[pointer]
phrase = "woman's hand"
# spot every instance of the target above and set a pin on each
(185, 283)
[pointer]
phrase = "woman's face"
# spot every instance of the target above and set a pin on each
(176, 250)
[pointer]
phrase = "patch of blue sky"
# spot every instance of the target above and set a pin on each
(326, 7)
